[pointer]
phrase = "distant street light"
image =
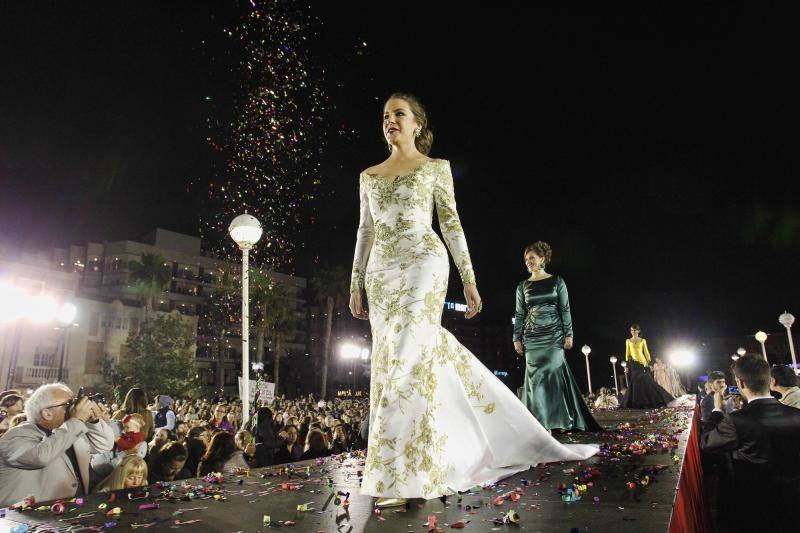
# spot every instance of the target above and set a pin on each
(741, 351)
(624, 366)
(786, 320)
(762, 338)
(586, 351)
(614, 365)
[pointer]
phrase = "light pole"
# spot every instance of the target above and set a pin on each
(66, 315)
(364, 359)
(786, 320)
(762, 338)
(614, 365)
(624, 366)
(353, 352)
(245, 230)
(586, 351)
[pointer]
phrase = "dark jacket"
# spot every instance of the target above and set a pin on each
(763, 440)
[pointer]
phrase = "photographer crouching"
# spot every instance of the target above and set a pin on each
(48, 456)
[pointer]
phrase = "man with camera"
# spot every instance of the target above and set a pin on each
(48, 456)
(763, 442)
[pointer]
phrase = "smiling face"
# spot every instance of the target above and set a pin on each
(399, 124)
(533, 262)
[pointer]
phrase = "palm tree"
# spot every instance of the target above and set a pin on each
(151, 278)
(332, 288)
(283, 321)
(263, 294)
(220, 318)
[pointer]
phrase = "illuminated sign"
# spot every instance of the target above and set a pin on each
(452, 306)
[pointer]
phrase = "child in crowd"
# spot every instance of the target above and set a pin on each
(130, 473)
(133, 433)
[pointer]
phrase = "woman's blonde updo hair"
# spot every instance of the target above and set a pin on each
(542, 249)
(425, 140)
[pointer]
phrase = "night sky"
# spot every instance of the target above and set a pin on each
(655, 149)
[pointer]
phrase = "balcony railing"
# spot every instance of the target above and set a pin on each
(31, 374)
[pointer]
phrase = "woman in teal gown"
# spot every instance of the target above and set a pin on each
(542, 331)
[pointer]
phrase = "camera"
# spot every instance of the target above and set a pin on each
(96, 398)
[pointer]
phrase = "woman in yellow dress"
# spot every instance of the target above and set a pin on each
(643, 392)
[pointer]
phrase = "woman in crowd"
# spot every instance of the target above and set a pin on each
(169, 464)
(161, 437)
(606, 400)
(340, 442)
(218, 422)
(289, 451)
(266, 441)
(196, 448)
(315, 445)
(136, 403)
(222, 455)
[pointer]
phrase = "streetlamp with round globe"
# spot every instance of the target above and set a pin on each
(614, 365)
(624, 366)
(786, 320)
(245, 230)
(586, 351)
(762, 338)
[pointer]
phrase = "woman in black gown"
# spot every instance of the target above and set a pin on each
(643, 392)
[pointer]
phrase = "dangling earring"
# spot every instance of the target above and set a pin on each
(418, 132)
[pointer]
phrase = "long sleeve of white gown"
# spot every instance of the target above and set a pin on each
(450, 224)
(365, 236)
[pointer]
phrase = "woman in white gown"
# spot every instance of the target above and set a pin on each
(440, 421)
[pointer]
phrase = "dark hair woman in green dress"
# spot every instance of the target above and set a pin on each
(542, 331)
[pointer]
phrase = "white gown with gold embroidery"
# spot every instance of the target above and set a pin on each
(439, 419)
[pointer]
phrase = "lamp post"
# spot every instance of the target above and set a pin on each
(245, 230)
(624, 366)
(586, 351)
(741, 351)
(353, 353)
(762, 338)
(66, 315)
(786, 320)
(614, 365)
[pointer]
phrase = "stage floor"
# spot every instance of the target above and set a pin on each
(633, 489)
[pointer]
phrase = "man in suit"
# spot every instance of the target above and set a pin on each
(763, 439)
(48, 456)
(716, 382)
(784, 381)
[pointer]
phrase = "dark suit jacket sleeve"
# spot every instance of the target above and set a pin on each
(719, 434)
(706, 407)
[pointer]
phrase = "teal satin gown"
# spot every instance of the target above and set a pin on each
(542, 320)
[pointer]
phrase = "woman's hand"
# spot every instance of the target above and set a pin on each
(567, 343)
(357, 305)
(518, 348)
(474, 304)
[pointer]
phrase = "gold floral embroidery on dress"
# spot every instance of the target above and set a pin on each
(399, 263)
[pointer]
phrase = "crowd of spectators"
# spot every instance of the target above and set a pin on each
(54, 445)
